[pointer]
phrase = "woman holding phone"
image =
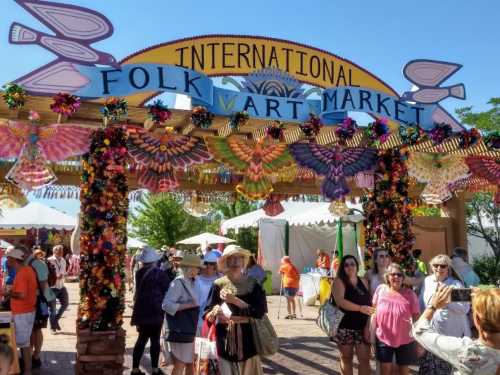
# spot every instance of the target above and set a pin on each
(450, 320)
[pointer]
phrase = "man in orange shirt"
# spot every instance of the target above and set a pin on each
(323, 260)
(290, 283)
(23, 302)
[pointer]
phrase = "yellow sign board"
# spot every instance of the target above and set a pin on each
(12, 232)
(231, 55)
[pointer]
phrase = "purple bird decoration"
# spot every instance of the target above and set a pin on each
(335, 164)
(75, 29)
(428, 75)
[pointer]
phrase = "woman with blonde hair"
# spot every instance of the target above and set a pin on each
(396, 306)
(467, 356)
(233, 300)
(375, 276)
(450, 320)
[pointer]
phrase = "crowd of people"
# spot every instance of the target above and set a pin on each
(180, 296)
(32, 285)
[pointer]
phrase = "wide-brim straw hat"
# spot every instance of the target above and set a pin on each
(191, 260)
(231, 250)
(148, 255)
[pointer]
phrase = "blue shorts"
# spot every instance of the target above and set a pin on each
(290, 292)
(406, 355)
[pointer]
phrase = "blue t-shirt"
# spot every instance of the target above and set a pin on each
(9, 273)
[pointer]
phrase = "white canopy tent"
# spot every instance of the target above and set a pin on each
(205, 239)
(308, 225)
(36, 216)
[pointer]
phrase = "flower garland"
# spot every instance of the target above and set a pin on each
(388, 212)
(411, 134)
(14, 95)
(238, 119)
(114, 108)
(492, 140)
(65, 104)
(276, 130)
(346, 130)
(159, 112)
(201, 117)
(312, 126)
(440, 133)
(104, 206)
(468, 138)
(377, 132)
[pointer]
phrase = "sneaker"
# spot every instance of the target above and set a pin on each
(293, 316)
(288, 317)
(138, 372)
(36, 363)
(58, 327)
(158, 372)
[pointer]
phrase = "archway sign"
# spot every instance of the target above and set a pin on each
(275, 72)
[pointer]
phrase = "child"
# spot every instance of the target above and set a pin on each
(6, 355)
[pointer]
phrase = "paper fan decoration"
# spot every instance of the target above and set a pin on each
(335, 164)
(159, 156)
(438, 171)
(35, 145)
(487, 168)
(255, 161)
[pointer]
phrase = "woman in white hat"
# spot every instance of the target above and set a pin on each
(147, 315)
(234, 299)
(182, 308)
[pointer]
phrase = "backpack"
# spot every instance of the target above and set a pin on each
(52, 274)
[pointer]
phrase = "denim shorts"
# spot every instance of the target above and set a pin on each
(406, 354)
(290, 292)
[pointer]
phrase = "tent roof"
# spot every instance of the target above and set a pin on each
(205, 239)
(296, 213)
(36, 216)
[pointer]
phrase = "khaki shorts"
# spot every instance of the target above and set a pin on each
(23, 324)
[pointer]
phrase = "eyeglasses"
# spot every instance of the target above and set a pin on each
(396, 274)
(383, 256)
(350, 264)
(442, 266)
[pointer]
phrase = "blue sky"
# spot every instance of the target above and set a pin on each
(380, 36)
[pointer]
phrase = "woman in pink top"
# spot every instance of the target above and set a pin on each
(396, 306)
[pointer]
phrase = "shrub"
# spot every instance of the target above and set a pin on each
(488, 269)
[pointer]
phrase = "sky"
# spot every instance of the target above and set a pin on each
(380, 36)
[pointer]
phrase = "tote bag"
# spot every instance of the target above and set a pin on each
(264, 336)
(329, 318)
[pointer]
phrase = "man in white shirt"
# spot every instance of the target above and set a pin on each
(59, 263)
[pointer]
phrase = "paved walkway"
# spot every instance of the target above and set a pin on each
(303, 347)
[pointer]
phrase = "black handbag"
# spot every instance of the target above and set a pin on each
(181, 327)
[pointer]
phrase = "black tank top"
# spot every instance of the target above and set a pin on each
(360, 296)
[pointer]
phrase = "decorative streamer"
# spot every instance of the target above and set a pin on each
(104, 206)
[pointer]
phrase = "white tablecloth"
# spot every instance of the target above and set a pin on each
(309, 285)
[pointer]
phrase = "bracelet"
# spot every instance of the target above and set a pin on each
(432, 307)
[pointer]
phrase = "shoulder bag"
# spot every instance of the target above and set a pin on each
(182, 326)
(265, 338)
(329, 317)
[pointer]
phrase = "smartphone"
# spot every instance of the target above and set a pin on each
(461, 295)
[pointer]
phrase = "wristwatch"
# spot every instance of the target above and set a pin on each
(431, 307)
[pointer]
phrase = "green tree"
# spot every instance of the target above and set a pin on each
(488, 120)
(161, 220)
(483, 217)
(246, 237)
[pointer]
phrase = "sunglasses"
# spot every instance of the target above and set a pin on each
(396, 275)
(350, 264)
(383, 256)
(442, 266)
(209, 264)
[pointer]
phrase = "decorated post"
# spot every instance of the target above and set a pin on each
(387, 208)
(104, 204)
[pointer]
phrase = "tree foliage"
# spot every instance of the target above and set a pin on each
(488, 120)
(482, 214)
(161, 220)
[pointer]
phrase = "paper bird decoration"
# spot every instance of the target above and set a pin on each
(160, 155)
(438, 171)
(35, 145)
(257, 162)
(335, 164)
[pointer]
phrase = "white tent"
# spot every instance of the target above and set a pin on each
(309, 226)
(295, 213)
(205, 239)
(36, 216)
